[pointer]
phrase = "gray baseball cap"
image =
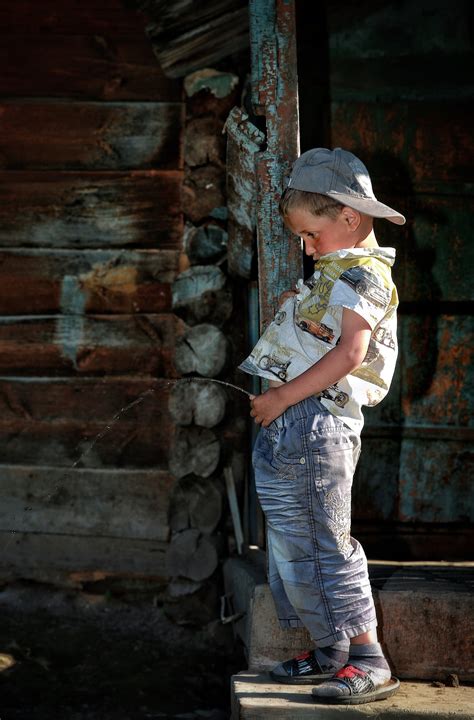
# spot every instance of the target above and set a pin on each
(342, 176)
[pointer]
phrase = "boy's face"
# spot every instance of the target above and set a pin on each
(321, 234)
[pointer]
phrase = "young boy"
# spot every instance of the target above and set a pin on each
(331, 349)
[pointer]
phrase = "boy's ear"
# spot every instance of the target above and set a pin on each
(351, 217)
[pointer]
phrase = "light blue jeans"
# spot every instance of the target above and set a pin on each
(304, 465)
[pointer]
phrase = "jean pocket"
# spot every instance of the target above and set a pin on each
(334, 470)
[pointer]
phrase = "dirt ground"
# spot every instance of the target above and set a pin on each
(79, 658)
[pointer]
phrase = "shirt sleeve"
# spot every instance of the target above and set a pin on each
(361, 290)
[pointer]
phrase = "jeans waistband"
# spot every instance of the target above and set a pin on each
(308, 406)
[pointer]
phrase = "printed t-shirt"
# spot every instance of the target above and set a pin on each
(308, 325)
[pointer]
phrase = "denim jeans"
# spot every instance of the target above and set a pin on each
(304, 465)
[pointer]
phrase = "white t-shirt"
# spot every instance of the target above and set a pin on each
(308, 325)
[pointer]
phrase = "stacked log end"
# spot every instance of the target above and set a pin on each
(206, 414)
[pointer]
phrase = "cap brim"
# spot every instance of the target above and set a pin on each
(369, 206)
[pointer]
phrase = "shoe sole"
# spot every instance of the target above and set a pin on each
(300, 679)
(381, 693)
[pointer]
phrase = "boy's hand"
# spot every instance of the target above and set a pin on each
(267, 407)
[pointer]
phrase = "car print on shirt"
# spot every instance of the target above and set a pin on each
(371, 354)
(319, 330)
(384, 337)
(365, 284)
(275, 366)
(334, 393)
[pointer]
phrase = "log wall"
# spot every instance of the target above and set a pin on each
(91, 172)
(113, 264)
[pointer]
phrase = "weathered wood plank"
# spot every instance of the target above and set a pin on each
(100, 66)
(49, 558)
(86, 281)
(189, 36)
(396, 141)
(65, 344)
(90, 135)
(104, 503)
(102, 209)
(274, 94)
(86, 422)
(244, 141)
(88, 18)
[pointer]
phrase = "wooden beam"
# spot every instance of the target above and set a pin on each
(86, 281)
(90, 136)
(28, 17)
(112, 503)
(244, 142)
(275, 95)
(86, 422)
(59, 558)
(189, 36)
(99, 65)
(91, 209)
(68, 344)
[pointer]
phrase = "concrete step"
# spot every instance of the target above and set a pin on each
(425, 613)
(254, 697)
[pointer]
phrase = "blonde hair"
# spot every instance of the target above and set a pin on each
(315, 203)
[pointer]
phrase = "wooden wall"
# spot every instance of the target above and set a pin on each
(90, 239)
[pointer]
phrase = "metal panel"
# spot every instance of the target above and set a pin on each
(407, 111)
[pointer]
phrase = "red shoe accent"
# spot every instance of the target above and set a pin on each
(349, 671)
(303, 656)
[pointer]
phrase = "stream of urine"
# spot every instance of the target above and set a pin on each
(108, 427)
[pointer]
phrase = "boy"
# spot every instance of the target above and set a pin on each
(331, 348)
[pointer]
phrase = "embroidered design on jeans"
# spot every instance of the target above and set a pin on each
(338, 508)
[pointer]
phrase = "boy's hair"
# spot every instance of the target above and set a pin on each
(315, 203)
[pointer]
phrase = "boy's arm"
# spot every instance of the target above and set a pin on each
(336, 364)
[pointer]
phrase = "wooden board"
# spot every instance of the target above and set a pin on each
(65, 344)
(189, 36)
(73, 17)
(62, 558)
(244, 141)
(87, 136)
(101, 503)
(86, 422)
(101, 209)
(100, 66)
(86, 281)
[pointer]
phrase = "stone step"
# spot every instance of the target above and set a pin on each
(255, 698)
(425, 613)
